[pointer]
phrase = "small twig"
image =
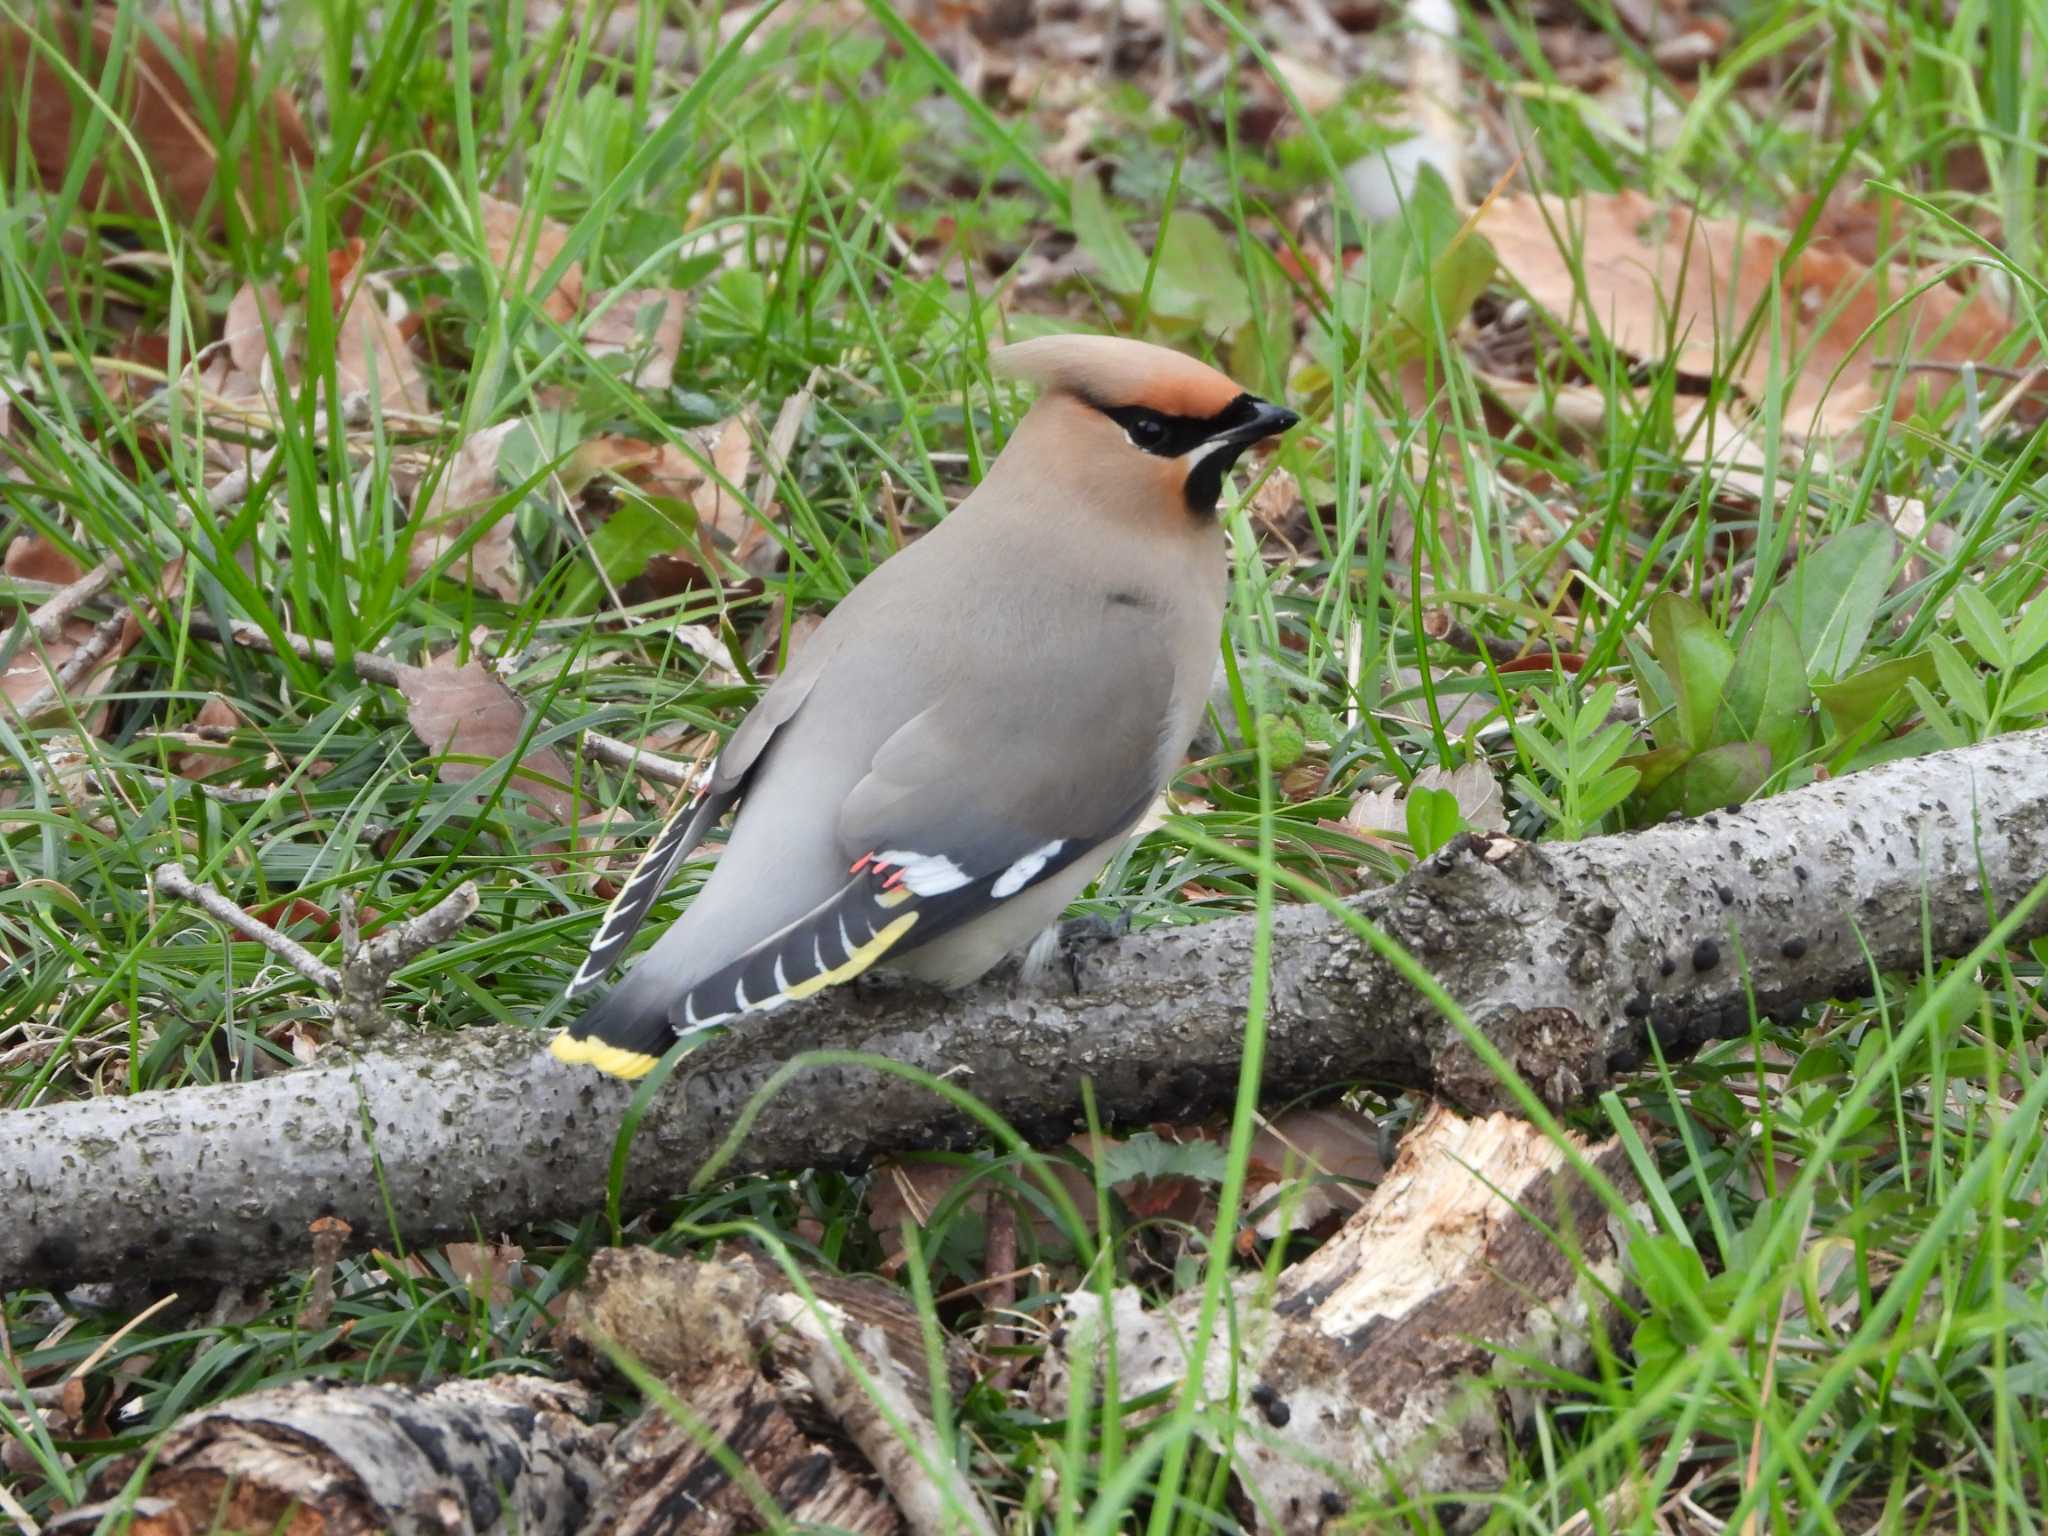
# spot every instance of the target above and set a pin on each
(1438, 624)
(84, 1367)
(614, 753)
(372, 668)
(51, 613)
(79, 664)
(366, 969)
(50, 616)
(173, 881)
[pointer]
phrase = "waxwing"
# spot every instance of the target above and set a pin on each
(962, 744)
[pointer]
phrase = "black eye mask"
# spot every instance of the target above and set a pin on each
(1216, 442)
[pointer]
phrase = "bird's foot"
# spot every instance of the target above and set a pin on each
(1064, 948)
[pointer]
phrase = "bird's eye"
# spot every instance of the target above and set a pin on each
(1146, 430)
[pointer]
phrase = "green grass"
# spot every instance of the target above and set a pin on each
(1842, 1267)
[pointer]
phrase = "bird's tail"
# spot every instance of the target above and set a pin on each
(624, 1033)
(630, 1028)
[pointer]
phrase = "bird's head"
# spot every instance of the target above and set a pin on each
(1132, 414)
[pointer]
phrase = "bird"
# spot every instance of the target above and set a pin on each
(971, 733)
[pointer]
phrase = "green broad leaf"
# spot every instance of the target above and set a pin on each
(639, 528)
(1836, 593)
(1981, 627)
(2027, 695)
(1668, 1271)
(1917, 742)
(1864, 696)
(1433, 820)
(1102, 235)
(1697, 658)
(1654, 767)
(1448, 267)
(1653, 688)
(2029, 633)
(1606, 792)
(1200, 271)
(1655, 1349)
(1959, 680)
(1723, 775)
(1766, 698)
(1148, 1155)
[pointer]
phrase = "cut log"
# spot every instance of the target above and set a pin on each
(1565, 956)
(1373, 1362)
(506, 1454)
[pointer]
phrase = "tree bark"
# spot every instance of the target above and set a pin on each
(502, 1455)
(1563, 955)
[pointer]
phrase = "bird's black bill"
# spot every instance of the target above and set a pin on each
(1246, 421)
(1259, 420)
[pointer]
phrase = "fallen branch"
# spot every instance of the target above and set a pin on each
(1565, 956)
(366, 969)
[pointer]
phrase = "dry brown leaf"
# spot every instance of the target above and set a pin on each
(1666, 283)
(643, 324)
(719, 511)
(1319, 1152)
(667, 469)
(162, 114)
(27, 676)
(489, 1271)
(254, 315)
(1375, 812)
(607, 455)
(523, 247)
(468, 711)
(470, 482)
(371, 355)
(31, 557)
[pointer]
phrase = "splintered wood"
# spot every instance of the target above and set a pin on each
(1375, 1358)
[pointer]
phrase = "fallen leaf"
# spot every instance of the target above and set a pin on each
(467, 711)
(475, 477)
(669, 470)
(155, 95)
(371, 355)
(1376, 812)
(31, 557)
(523, 247)
(719, 511)
(606, 455)
(1666, 283)
(489, 1271)
(644, 325)
(1306, 1161)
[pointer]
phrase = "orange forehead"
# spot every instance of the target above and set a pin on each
(1113, 371)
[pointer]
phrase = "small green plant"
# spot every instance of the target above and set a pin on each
(2016, 688)
(1433, 819)
(1581, 751)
